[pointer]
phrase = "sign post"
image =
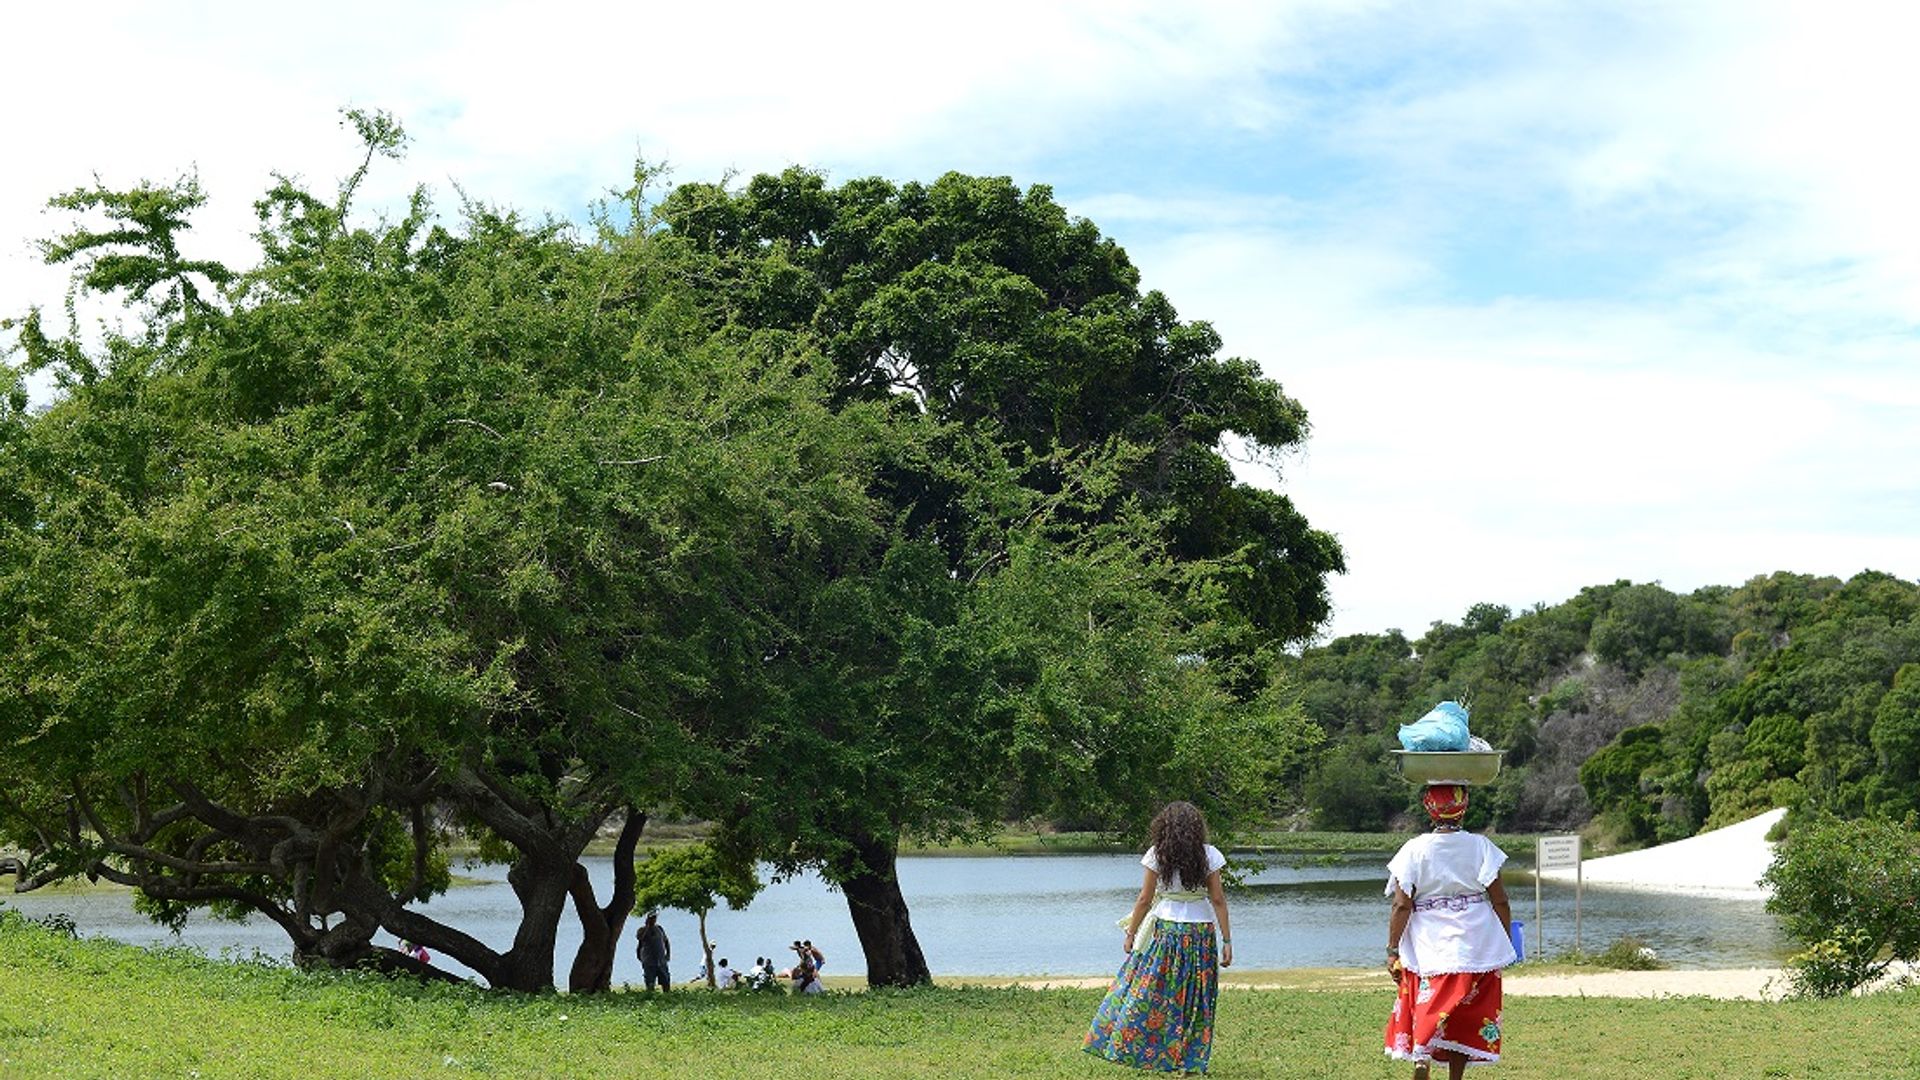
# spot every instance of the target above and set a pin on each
(1556, 853)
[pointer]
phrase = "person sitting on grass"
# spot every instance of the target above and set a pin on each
(760, 975)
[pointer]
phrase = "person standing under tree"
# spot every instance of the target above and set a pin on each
(654, 951)
(1159, 1013)
(1448, 936)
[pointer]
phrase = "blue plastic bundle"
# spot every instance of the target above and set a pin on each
(1443, 728)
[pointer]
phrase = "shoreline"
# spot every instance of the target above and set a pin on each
(1724, 984)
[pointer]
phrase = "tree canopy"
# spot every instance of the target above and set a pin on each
(987, 304)
(516, 531)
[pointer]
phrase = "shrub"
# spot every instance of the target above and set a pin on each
(1352, 790)
(1627, 953)
(1850, 892)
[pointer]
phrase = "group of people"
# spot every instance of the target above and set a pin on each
(1449, 934)
(655, 953)
(1449, 930)
(804, 976)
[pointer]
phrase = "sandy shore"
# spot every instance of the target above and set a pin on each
(1757, 984)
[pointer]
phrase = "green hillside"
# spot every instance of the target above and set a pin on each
(1648, 713)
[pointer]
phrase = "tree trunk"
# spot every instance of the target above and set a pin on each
(706, 950)
(542, 890)
(548, 846)
(394, 962)
(600, 927)
(880, 916)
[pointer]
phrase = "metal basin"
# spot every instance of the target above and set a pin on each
(1449, 767)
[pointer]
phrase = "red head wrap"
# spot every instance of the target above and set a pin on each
(1445, 802)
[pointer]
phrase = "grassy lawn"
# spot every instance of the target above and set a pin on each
(98, 1009)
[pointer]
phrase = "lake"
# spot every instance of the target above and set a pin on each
(1032, 915)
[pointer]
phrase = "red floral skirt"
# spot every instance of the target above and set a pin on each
(1444, 1017)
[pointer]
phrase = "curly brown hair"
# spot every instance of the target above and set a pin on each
(1179, 838)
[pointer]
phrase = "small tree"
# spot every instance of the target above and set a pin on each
(694, 879)
(1352, 790)
(1850, 892)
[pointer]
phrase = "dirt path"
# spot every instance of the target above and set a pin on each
(1762, 984)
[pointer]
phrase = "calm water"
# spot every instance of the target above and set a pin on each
(1034, 915)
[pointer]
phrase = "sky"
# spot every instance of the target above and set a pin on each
(1571, 292)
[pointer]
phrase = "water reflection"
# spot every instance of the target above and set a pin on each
(1035, 915)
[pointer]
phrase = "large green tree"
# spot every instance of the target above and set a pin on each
(988, 310)
(506, 530)
(405, 531)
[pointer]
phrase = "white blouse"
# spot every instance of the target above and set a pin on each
(1182, 910)
(1453, 927)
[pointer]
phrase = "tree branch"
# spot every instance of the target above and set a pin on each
(166, 889)
(25, 878)
(478, 424)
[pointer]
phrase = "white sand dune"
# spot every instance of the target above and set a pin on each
(1725, 862)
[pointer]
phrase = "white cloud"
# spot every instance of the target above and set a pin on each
(1729, 403)
(1516, 450)
(545, 106)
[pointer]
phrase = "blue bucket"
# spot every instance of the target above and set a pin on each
(1519, 938)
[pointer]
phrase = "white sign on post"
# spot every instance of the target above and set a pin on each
(1559, 852)
(1556, 853)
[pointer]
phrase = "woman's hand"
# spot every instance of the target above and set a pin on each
(1226, 954)
(1393, 966)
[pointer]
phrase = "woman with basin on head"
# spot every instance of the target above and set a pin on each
(1448, 936)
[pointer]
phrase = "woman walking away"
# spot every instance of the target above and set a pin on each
(1447, 938)
(1159, 1014)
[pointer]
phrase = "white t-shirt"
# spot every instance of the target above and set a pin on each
(1461, 935)
(1182, 910)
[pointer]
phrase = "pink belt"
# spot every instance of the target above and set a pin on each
(1450, 903)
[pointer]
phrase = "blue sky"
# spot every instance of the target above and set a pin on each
(1572, 292)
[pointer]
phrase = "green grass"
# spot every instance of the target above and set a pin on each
(99, 1009)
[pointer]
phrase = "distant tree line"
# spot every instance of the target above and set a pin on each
(1657, 713)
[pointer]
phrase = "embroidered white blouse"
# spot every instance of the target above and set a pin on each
(1453, 927)
(1182, 910)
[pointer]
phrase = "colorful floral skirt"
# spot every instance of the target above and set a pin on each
(1159, 1014)
(1442, 1017)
